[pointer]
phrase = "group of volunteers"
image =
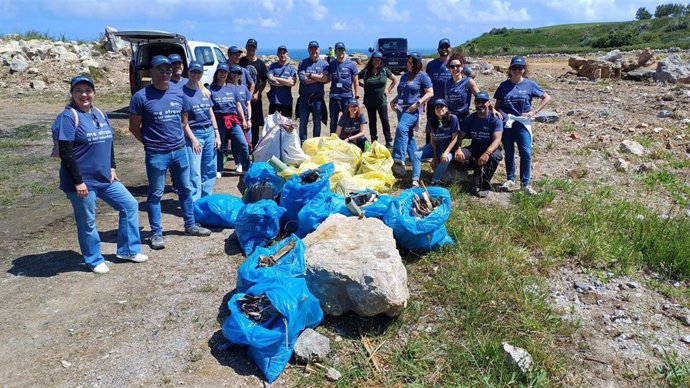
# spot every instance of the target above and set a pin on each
(185, 125)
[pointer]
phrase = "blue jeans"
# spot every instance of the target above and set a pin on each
(303, 109)
(404, 136)
(128, 239)
(239, 146)
(335, 106)
(520, 135)
(202, 167)
(424, 153)
(157, 165)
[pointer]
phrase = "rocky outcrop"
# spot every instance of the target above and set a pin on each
(673, 70)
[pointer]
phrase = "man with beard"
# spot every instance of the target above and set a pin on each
(262, 74)
(484, 153)
(439, 73)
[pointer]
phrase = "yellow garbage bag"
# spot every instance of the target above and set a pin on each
(377, 181)
(332, 149)
(378, 158)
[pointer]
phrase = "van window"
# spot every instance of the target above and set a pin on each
(204, 55)
(392, 45)
(219, 55)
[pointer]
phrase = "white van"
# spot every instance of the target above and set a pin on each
(147, 44)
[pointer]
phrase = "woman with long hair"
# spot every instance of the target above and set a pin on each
(240, 142)
(374, 79)
(460, 88)
(351, 124)
(514, 100)
(443, 127)
(414, 91)
(201, 134)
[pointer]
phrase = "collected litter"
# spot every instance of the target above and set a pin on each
(299, 189)
(257, 308)
(282, 259)
(218, 210)
(425, 205)
(257, 224)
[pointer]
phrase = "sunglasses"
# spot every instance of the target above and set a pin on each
(196, 71)
(454, 66)
(480, 102)
(517, 68)
(236, 72)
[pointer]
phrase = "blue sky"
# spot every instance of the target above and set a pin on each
(296, 22)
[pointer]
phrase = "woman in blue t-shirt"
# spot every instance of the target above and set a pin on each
(240, 141)
(414, 91)
(201, 134)
(443, 127)
(514, 101)
(87, 171)
(351, 125)
(460, 88)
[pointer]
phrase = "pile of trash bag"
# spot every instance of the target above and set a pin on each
(301, 188)
(261, 182)
(257, 224)
(218, 210)
(282, 259)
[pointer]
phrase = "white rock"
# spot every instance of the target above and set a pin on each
(37, 84)
(613, 56)
(112, 42)
(672, 70)
(353, 265)
(18, 64)
(311, 347)
(518, 357)
(631, 147)
(332, 374)
(621, 165)
(65, 363)
(90, 63)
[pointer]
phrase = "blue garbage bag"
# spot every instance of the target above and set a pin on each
(317, 209)
(217, 210)
(271, 344)
(257, 224)
(290, 265)
(426, 233)
(262, 173)
(296, 192)
(379, 208)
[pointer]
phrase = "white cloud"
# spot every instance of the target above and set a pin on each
(488, 12)
(117, 9)
(390, 12)
(317, 11)
(340, 26)
(261, 22)
(277, 5)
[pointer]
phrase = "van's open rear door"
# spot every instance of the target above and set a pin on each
(138, 37)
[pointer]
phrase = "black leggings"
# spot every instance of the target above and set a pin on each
(386, 127)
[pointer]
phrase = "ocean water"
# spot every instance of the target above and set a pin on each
(301, 53)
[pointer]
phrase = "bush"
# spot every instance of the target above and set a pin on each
(615, 38)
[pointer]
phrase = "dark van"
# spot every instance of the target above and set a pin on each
(394, 52)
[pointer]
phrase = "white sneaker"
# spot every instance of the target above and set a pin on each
(508, 185)
(219, 175)
(238, 169)
(101, 268)
(138, 258)
(529, 190)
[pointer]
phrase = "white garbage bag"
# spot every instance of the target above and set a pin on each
(280, 138)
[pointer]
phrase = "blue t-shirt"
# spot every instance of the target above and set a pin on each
(439, 74)
(281, 95)
(409, 93)
(458, 96)
(244, 96)
(341, 77)
(246, 78)
(178, 84)
(307, 66)
(349, 125)
(481, 130)
(92, 142)
(442, 133)
(199, 117)
(223, 98)
(517, 98)
(161, 113)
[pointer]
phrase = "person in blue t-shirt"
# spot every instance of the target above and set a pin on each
(352, 124)
(177, 80)
(514, 100)
(484, 152)
(282, 76)
(241, 141)
(414, 90)
(313, 74)
(439, 73)
(225, 111)
(157, 117)
(203, 137)
(87, 171)
(443, 127)
(343, 83)
(234, 54)
(459, 88)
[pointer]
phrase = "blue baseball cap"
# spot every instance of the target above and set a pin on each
(160, 60)
(415, 55)
(439, 101)
(352, 102)
(339, 46)
(281, 47)
(174, 58)
(377, 54)
(443, 42)
(234, 50)
(518, 61)
(251, 42)
(235, 68)
(195, 65)
(313, 43)
(80, 79)
(223, 66)
(482, 96)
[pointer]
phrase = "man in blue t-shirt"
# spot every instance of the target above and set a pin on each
(313, 74)
(177, 80)
(343, 83)
(484, 152)
(234, 53)
(158, 114)
(282, 76)
(439, 73)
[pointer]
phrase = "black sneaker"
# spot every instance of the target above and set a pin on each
(157, 242)
(197, 230)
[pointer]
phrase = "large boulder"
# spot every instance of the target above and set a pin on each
(353, 265)
(112, 42)
(673, 70)
(613, 56)
(595, 69)
(18, 64)
(61, 53)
